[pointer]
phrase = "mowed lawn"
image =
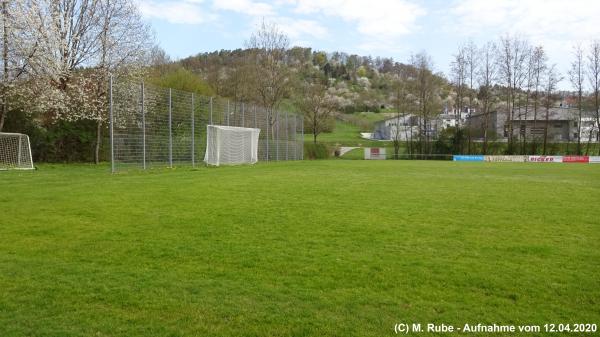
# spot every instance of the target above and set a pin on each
(322, 248)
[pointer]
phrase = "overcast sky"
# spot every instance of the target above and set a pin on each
(390, 28)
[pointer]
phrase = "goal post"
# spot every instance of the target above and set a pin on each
(229, 145)
(15, 152)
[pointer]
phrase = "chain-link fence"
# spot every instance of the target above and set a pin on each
(152, 126)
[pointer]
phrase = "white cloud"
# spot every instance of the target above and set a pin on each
(380, 19)
(557, 25)
(545, 21)
(177, 12)
(299, 28)
(249, 7)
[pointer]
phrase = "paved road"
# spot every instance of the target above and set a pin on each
(346, 149)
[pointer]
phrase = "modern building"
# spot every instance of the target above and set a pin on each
(403, 128)
(562, 124)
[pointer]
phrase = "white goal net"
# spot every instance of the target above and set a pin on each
(229, 145)
(15, 152)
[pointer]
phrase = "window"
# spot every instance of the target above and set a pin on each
(537, 131)
(557, 126)
(575, 135)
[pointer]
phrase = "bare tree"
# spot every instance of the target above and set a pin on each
(402, 102)
(551, 81)
(472, 58)
(426, 90)
(125, 43)
(271, 80)
(5, 60)
(317, 106)
(539, 65)
(487, 73)
(459, 73)
(523, 53)
(593, 73)
(577, 76)
(512, 56)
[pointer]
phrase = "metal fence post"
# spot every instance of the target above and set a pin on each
(286, 136)
(19, 150)
(243, 117)
(295, 138)
(255, 116)
(268, 127)
(193, 135)
(143, 129)
(228, 112)
(211, 110)
(170, 131)
(277, 136)
(111, 124)
(302, 139)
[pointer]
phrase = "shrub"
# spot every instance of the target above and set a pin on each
(182, 79)
(316, 151)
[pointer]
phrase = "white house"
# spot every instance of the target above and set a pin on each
(589, 125)
(403, 128)
(406, 127)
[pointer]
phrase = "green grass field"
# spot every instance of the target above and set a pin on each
(321, 248)
(344, 134)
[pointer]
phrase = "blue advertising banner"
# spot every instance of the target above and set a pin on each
(467, 158)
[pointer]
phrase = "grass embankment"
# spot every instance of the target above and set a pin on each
(322, 248)
(345, 134)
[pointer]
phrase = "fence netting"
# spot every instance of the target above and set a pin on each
(154, 127)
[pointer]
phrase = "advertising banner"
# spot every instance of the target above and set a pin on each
(467, 158)
(594, 159)
(506, 159)
(372, 153)
(545, 159)
(576, 159)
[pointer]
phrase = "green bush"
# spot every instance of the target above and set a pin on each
(182, 79)
(316, 151)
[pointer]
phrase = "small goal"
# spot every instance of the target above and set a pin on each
(229, 145)
(15, 152)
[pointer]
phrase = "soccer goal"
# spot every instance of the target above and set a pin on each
(15, 152)
(229, 145)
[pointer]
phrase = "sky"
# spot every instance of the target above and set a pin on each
(386, 28)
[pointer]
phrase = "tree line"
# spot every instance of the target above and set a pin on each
(58, 56)
(509, 75)
(517, 77)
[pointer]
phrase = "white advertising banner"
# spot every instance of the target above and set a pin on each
(506, 159)
(594, 160)
(545, 159)
(375, 153)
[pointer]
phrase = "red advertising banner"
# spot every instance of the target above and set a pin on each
(576, 159)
